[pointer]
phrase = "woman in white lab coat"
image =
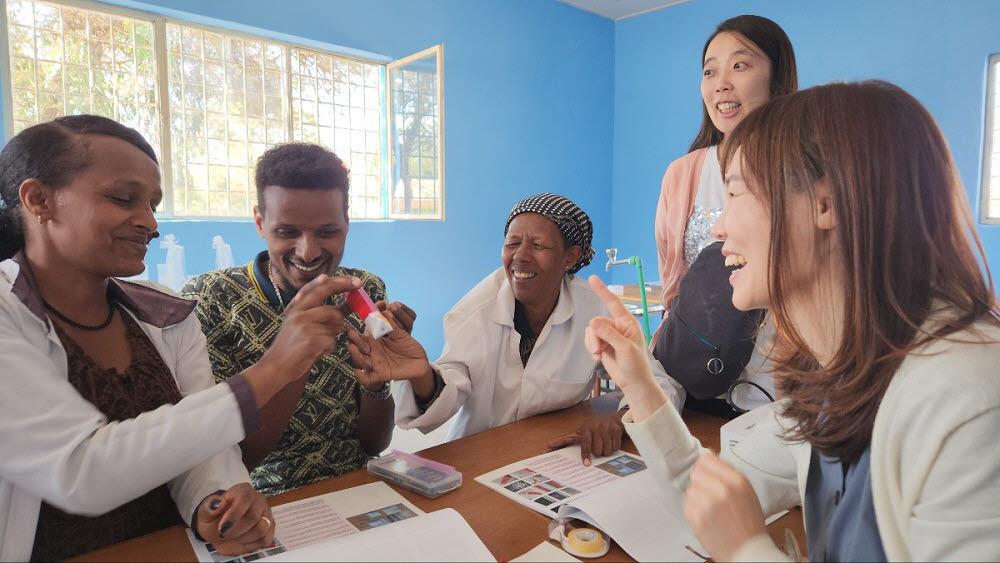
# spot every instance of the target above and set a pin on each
(514, 344)
(111, 425)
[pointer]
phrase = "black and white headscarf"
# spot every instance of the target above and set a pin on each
(571, 221)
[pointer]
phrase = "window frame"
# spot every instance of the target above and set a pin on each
(438, 52)
(160, 24)
(991, 123)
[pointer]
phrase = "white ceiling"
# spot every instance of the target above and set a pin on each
(621, 9)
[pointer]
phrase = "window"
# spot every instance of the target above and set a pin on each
(65, 60)
(990, 203)
(415, 125)
(211, 102)
(989, 208)
(338, 103)
(226, 109)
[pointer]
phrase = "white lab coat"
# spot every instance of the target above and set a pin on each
(485, 382)
(58, 447)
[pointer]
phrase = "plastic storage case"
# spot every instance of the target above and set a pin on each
(429, 478)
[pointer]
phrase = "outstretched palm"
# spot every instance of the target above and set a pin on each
(395, 356)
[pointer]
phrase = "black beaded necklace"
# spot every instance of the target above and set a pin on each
(71, 322)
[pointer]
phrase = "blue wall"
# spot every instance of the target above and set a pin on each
(528, 109)
(936, 50)
(540, 96)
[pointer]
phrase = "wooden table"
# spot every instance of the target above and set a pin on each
(507, 528)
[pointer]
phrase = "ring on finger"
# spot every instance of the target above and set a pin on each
(266, 521)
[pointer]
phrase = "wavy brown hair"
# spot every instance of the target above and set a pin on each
(906, 238)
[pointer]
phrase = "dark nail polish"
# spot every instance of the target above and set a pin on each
(214, 505)
(225, 528)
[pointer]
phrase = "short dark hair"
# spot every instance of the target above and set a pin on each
(769, 38)
(301, 166)
(53, 153)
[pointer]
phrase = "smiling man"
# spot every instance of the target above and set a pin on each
(326, 424)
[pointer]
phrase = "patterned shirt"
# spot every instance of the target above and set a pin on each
(240, 315)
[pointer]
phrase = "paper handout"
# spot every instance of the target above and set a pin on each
(437, 536)
(615, 494)
(545, 552)
(545, 482)
(317, 519)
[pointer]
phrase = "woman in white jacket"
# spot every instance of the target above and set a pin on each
(110, 424)
(514, 344)
(845, 207)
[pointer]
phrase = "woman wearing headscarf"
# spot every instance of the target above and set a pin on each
(514, 344)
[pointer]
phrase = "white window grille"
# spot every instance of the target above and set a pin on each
(337, 102)
(416, 118)
(227, 106)
(211, 102)
(67, 60)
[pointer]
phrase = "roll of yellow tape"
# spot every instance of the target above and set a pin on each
(585, 542)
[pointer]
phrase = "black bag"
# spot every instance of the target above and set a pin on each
(705, 342)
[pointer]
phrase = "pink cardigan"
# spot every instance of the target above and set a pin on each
(677, 193)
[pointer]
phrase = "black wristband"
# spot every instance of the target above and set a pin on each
(435, 393)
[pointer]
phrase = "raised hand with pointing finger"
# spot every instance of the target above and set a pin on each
(618, 343)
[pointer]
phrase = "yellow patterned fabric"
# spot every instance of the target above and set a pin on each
(240, 316)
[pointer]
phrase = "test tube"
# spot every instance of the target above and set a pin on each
(376, 325)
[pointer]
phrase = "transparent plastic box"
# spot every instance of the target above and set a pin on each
(421, 475)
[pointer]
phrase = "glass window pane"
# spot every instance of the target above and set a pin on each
(228, 96)
(222, 81)
(414, 120)
(67, 60)
(321, 80)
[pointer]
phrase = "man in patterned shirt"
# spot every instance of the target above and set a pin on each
(327, 423)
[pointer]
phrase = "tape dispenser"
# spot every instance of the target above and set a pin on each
(578, 538)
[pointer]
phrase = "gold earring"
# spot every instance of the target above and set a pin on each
(40, 220)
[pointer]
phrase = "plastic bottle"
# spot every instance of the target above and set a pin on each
(223, 253)
(171, 273)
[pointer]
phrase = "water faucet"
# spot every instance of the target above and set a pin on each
(612, 255)
(637, 262)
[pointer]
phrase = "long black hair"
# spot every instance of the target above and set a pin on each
(53, 153)
(769, 38)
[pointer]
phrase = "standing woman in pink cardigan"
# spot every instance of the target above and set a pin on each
(746, 61)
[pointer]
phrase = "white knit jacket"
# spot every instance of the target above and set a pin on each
(935, 456)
